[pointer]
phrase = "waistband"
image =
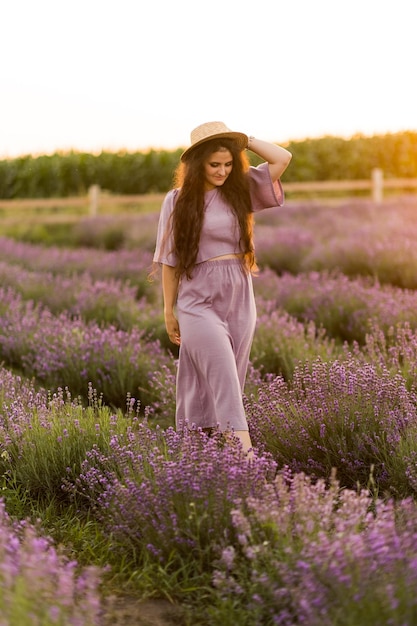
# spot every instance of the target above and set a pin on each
(213, 262)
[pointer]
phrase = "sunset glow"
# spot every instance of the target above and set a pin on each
(93, 75)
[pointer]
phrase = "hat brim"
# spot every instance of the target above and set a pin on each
(240, 138)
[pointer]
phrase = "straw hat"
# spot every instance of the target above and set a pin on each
(213, 130)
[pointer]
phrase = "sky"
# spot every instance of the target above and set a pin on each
(93, 75)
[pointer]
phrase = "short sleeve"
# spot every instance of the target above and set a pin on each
(164, 238)
(265, 194)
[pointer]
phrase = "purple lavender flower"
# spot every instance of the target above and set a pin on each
(36, 579)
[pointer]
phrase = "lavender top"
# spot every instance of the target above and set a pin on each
(220, 233)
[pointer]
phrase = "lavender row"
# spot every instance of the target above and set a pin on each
(62, 351)
(346, 414)
(131, 266)
(39, 586)
(105, 284)
(103, 300)
(285, 549)
(345, 308)
(310, 554)
(356, 237)
(356, 413)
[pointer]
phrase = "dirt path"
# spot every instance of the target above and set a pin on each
(133, 612)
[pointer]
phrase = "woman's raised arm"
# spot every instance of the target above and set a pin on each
(277, 157)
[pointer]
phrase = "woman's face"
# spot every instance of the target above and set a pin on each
(217, 168)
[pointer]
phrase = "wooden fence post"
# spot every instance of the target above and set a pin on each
(377, 185)
(94, 195)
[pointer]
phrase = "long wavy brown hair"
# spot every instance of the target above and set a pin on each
(188, 214)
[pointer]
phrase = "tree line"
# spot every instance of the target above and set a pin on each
(324, 158)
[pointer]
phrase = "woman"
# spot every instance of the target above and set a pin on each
(205, 246)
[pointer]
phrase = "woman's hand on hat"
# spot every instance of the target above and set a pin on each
(250, 139)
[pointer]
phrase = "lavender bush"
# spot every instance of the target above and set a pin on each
(137, 231)
(318, 555)
(67, 352)
(44, 438)
(169, 494)
(357, 238)
(104, 301)
(130, 266)
(394, 350)
(282, 249)
(39, 586)
(343, 414)
(346, 308)
(281, 342)
(389, 257)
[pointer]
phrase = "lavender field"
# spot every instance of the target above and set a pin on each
(101, 497)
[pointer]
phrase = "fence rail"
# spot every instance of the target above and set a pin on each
(375, 185)
(90, 202)
(96, 199)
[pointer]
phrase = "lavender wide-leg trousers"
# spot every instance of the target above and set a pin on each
(217, 316)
